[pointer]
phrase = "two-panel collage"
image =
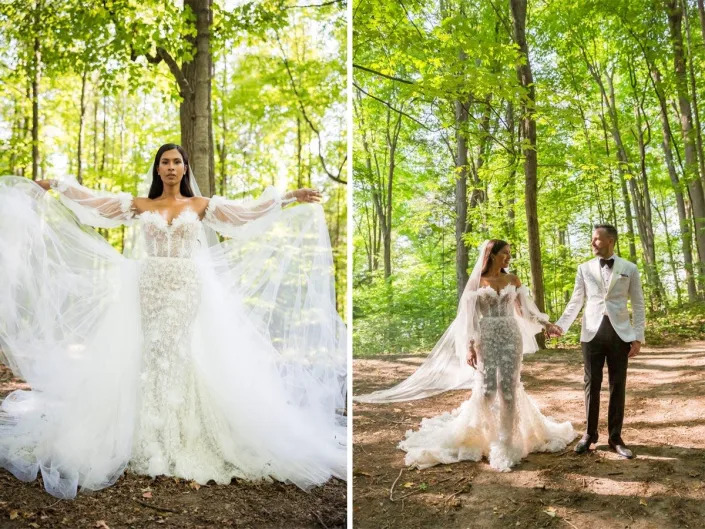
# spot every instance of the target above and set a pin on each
(374, 264)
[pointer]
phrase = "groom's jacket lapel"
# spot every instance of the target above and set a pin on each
(594, 267)
(616, 270)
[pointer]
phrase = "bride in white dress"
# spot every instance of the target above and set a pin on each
(495, 326)
(193, 358)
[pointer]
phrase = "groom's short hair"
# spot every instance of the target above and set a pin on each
(611, 230)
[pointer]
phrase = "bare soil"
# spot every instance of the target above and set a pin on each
(142, 502)
(663, 487)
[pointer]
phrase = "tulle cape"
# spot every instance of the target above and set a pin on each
(267, 340)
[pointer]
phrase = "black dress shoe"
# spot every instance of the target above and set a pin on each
(621, 449)
(584, 444)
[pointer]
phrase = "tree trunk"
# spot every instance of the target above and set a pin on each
(386, 220)
(511, 182)
(195, 110)
(82, 109)
(641, 194)
(528, 105)
(677, 188)
(36, 65)
(694, 96)
(461, 197)
(695, 188)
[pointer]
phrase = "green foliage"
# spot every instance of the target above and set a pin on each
(132, 105)
(422, 59)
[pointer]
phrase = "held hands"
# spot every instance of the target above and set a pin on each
(472, 356)
(635, 348)
(553, 331)
(304, 195)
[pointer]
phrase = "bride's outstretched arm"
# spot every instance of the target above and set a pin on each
(95, 208)
(229, 216)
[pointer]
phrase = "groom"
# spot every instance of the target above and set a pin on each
(606, 282)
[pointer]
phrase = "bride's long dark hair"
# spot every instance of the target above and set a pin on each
(157, 187)
(493, 248)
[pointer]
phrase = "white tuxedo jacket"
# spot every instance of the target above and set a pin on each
(589, 287)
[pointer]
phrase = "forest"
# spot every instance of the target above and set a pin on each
(254, 91)
(529, 123)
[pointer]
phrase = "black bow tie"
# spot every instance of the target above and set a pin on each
(608, 262)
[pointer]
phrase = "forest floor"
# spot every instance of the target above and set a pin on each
(142, 502)
(663, 487)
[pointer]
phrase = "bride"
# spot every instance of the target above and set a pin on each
(186, 357)
(495, 326)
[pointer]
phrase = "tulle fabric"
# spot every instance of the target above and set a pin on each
(472, 431)
(267, 347)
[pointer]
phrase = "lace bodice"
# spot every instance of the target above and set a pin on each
(486, 302)
(178, 239)
(491, 303)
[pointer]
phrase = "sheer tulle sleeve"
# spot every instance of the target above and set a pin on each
(529, 319)
(100, 209)
(473, 320)
(243, 218)
(527, 309)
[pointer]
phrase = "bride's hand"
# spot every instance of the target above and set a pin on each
(472, 356)
(44, 184)
(304, 194)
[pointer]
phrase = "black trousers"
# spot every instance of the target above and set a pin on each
(606, 345)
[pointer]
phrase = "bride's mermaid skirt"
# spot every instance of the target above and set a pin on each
(499, 421)
(176, 428)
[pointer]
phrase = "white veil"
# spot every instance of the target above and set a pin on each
(446, 367)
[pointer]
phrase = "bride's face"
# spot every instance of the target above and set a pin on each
(171, 167)
(504, 256)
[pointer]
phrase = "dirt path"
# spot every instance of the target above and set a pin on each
(141, 502)
(663, 487)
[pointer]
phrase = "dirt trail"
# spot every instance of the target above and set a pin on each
(142, 502)
(663, 487)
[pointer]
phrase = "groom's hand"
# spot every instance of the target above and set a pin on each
(635, 348)
(553, 331)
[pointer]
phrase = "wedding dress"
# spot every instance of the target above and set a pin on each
(499, 421)
(187, 360)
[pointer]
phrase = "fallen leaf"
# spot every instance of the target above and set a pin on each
(642, 501)
(147, 494)
(551, 511)
(194, 485)
(408, 484)
(14, 515)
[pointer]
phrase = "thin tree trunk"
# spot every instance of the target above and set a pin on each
(81, 119)
(36, 65)
(694, 96)
(677, 187)
(518, 10)
(511, 181)
(671, 259)
(105, 134)
(641, 195)
(461, 196)
(695, 188)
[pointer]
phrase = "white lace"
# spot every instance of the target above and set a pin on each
(178, 239)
